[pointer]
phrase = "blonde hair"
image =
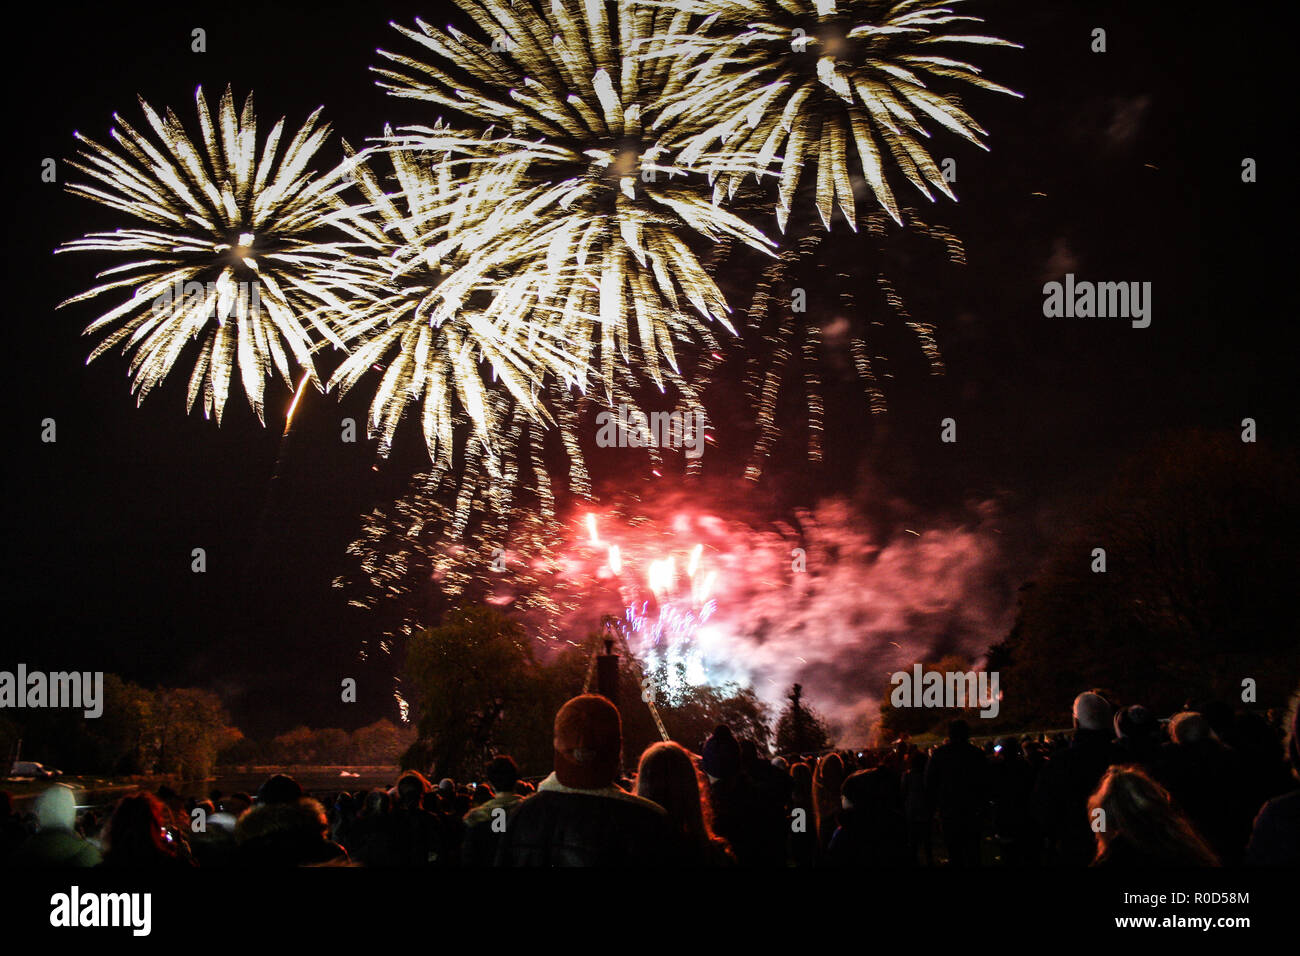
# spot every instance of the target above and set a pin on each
(1141, 814)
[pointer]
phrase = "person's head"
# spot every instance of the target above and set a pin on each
(1135, 724)
(869, 792)
(236, 803)
(1140, 812)
(378, 802)
(958, 731)
(721, 756)
(667, 775)
(781, 764)
(411, 788)
(830, 772)
(280, 788)
(137, 830)
(1189, 728)
(801, 777)
(56, 808)
(502, 773)
(588, 743)
(1091, 712)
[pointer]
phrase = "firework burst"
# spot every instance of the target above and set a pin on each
(435, 293)
(841, 87)
(576, 107)
(227, 253)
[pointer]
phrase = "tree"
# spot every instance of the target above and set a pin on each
(464, 678)
(189, 726)
(380, 744)
(1200, 566)
(295, 747)
(800, 729)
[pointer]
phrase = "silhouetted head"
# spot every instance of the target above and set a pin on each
(1135, 723)
(667, 775)
(588, 742)
(1091, 712)
(502, 773)
(1189, 728)
(721, 756)
(280, 788)
(136, 831)
(1140, 813)
(958, 731)
(56, 808)
(411, 788)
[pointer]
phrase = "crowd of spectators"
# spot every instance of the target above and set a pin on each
(1124, 789)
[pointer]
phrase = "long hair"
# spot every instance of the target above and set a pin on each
(827, 782)
(668, 776)
(135, 832)
(1141, 821)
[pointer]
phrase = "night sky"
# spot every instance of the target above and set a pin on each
(1137, 154)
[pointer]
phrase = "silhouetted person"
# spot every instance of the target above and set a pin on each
(1139, 825)
(956, 786)
(56, 842)
(1210, 784)
(285, 828)
(1137, 737)
(1069, 778)
(872, 830)
(738, 809)
(486, 822)
(579, 816)
(667, 776)
(917, 809)
(1011, 786)
(12, 830)
(137, 836)
(828, 781)
(803, 838)
(373, 842)
(1275, 837)
(417, 833)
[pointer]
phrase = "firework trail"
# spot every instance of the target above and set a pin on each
(835, 327)
(228, 253)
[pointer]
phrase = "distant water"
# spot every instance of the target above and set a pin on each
(316, 781)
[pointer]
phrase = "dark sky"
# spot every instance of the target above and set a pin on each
(1136, 151)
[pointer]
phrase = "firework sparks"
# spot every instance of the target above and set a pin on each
(434, 293)
(228, 253)
(835, 86)
(614, 203)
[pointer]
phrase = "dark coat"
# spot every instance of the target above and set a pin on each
(576, 828)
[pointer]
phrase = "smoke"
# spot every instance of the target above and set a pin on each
(834, 598)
